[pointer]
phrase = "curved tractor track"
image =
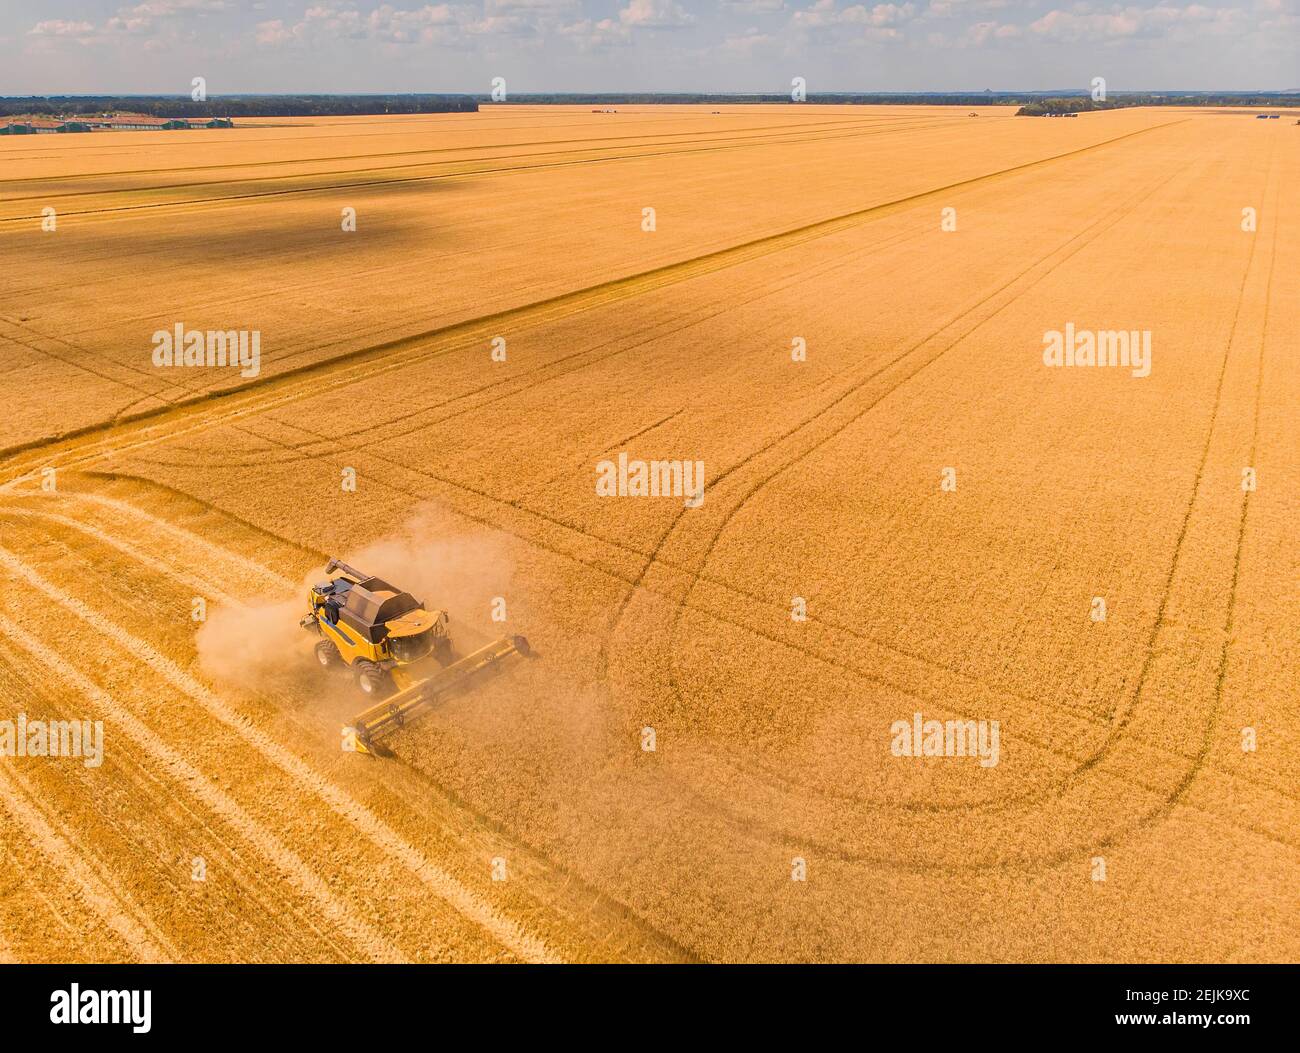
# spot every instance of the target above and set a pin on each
(1117, 732)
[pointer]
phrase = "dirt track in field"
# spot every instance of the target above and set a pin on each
(1121, 740)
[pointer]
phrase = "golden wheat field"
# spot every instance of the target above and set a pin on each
(907, 516)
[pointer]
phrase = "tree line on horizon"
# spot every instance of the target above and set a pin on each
(1061, 99)
(238, 105)
(304, 105)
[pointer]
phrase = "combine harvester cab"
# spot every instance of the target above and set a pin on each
(396, 649)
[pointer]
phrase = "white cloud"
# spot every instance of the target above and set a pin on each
(128, 24)
(890, 14)
(655, 14)
(432, 23)
(592, 34)
(59, 28)
(755, 6)
(131, 20)
(956, 8)
(540, 6)
(501, 26)
(166, 8)
(856, 22)
(1165, 20)
(825, 14)
(749, 42)
(982, 32)
(270, 34)
(728, 43)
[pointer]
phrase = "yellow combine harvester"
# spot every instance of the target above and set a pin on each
(396, 650)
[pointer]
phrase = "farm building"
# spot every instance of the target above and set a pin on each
(22, 127)
(135, 123)
(32, 126)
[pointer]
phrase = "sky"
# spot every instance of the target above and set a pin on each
(159, 46)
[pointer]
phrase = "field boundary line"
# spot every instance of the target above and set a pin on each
(1054, 259)
(1165, 807)
(652, 557)
(1069, 248)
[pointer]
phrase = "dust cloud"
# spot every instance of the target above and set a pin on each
(432, 555)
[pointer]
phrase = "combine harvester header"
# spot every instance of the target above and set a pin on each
(394, 711)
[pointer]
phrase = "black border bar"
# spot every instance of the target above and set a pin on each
(976, 1002)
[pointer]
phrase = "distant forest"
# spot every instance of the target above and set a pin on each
(1045, 107)
(239, 105)
(1081, 104)
(1032, 103)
